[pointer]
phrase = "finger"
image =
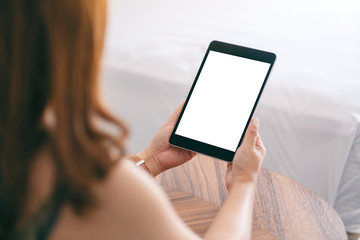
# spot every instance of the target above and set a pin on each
(175, 115)
(251, 133)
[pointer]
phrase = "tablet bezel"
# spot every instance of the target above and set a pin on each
(231, 49)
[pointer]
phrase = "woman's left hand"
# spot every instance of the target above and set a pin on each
(160, 155)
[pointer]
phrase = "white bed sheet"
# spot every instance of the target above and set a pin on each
(310, 110)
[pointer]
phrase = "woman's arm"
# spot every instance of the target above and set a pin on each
(235, 216)
(234, 219)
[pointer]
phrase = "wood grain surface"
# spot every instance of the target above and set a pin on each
(283, 209)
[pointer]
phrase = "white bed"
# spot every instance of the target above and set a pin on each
(310, 109)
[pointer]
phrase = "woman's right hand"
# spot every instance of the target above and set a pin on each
(248, 158)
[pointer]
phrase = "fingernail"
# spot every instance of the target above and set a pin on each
(256, 122)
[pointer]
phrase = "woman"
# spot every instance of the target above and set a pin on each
(62, 176)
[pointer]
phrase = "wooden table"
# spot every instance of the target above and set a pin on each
(283, 209)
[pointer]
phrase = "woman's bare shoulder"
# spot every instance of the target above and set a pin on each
(131, 206)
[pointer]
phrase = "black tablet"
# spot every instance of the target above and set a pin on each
(222, 100)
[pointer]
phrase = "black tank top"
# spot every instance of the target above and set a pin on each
(40, 225)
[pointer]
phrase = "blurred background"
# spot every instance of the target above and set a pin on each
(310, 108)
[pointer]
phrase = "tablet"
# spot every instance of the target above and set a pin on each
(222, 100)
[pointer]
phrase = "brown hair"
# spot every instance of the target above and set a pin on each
(50, 53)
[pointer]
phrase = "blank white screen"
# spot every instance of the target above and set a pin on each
(222, 100)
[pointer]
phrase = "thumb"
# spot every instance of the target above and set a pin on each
(251, 133)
